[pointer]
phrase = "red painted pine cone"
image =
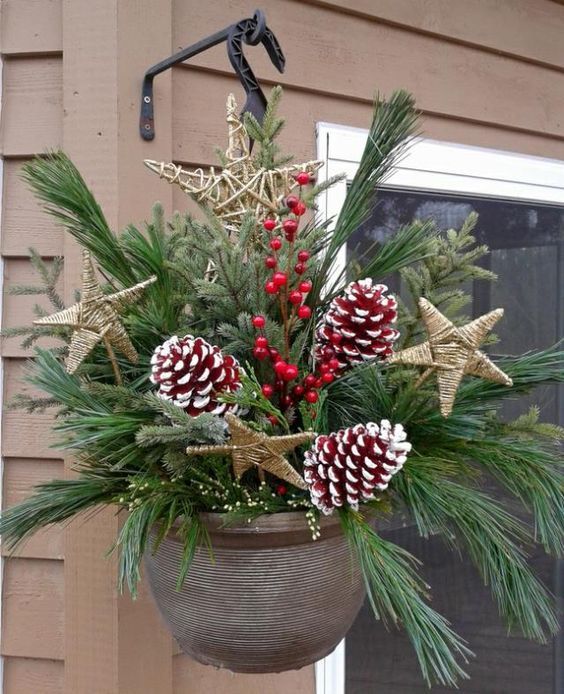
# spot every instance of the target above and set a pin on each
(357, 325)
(351, 465)
(191, 373)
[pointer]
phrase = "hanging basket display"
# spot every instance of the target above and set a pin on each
(265, 598)
(251, 409)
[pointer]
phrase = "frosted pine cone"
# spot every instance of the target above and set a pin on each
(351, 465)
(191, 373)
(357, 325)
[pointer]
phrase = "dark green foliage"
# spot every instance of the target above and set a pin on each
(487, 533)
(531, 470)
(49, 274)
(397, 595)
(250, 397)
(57, 183)
(393, 124)
(268, 153)
(57, 501)
(443, 277)
(130, 444)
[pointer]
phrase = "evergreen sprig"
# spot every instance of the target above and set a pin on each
(49, 274)
(394, 123)
(397, 595)
(130, 443)
(265, 133)
(440, 276)
(489, 535)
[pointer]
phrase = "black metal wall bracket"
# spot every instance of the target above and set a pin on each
(252, 31)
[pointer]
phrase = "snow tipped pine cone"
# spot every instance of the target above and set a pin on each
(357, 325)
(351, 465)
(191, 373)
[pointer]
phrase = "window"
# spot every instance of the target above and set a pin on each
(520, 202)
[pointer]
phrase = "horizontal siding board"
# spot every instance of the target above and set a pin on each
(33, 608)
(190, 677)
(199, 123)
(527, 30)
(447, 79)
(33, 676)
(24, 223)
(24, 435)
(31, 26)
(32, 105)
(18, 309)
(21, 475)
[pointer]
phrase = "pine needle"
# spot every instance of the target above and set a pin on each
(396, 593)
(488, 534)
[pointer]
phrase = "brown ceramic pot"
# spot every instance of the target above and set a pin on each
(271, 599)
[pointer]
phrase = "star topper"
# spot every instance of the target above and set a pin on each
(96, 318)
(249, 448)
(241, 186)
(452, 352)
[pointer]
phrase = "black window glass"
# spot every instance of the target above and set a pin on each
(526, 242)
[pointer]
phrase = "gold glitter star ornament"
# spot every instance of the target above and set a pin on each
(452, 352)
(249, 448)
(96, 318)
(241, 186)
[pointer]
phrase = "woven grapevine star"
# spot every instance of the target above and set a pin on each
(452, 352)
(249, 448)
(240, 187)
(96, 318)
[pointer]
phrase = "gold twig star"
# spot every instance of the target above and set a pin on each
(241, 186)
(452, 352)
(96, 318)
(249, 448)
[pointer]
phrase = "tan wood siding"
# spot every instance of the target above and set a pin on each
(354, 56)
(524, 30)
(190, 677)
(33, 676)
(32, 119)
(31, 26)
(18, 309)
(33, 609)
(32, 109)
(24, 435)
(20, 476)
(114, 645)
(24, 224)
(485, 73)
(199, 123)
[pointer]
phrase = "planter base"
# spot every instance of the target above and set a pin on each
(270, 600)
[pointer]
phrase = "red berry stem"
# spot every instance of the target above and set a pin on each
(291, 289)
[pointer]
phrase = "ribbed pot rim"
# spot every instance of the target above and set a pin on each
(269, 530)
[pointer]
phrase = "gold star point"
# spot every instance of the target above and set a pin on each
(452, 352)
(96, 318)
(241, 186)
(249, 448)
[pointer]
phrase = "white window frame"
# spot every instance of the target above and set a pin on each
(431, 166)
(2, 563)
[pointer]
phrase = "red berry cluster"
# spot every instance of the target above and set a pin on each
(284, 372)
(289, 286)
